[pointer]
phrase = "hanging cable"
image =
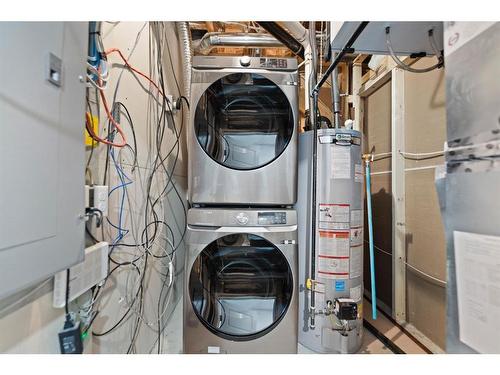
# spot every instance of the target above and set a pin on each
(408, 68)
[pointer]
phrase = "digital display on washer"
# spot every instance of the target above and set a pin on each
(273, 63)
(271, 218)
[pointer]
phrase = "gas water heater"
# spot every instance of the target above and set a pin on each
(337, 282)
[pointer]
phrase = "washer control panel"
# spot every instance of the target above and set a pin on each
(271, 218)
(245, 61)
(242, 218)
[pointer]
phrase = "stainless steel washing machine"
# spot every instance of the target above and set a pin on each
(240, 293)
(242, 136)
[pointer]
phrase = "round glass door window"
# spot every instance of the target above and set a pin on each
(244, 121)
(240, 286)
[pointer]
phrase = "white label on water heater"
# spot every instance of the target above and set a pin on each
(356, 236)
(356, 218)
(333, 213)
(333, 243)
(333, 267)
(341, 162)
(355, 293)
(358, 173)
(356, 264)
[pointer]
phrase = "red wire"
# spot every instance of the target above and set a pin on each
(106, 108)
(127, 64)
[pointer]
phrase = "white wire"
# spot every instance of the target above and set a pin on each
(421, 154)
(410, 154)
(411, 266)
(407, 67)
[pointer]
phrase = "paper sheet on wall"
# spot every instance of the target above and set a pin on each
(477, 260)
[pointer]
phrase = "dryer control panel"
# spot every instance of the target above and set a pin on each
(271, 218)
(273, 63)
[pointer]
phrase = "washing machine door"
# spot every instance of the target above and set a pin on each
(244, 121)
(240, 286)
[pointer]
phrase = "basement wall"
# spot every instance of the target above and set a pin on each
(425, 121)
(32, 324)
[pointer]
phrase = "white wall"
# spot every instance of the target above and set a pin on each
(33, 328)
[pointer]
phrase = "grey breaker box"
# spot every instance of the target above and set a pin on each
(42, 152)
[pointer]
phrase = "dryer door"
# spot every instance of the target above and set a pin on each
(244, 121)
(240, 286)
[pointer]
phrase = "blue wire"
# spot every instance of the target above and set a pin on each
(123, 185)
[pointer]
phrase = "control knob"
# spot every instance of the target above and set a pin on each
(245, 61)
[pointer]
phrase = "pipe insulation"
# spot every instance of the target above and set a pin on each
(212, 40)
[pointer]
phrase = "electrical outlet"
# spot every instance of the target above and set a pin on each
(99, 198)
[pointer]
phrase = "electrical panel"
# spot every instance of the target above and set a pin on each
(407, 37)
(42, 154)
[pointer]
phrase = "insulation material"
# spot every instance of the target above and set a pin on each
(378, 135)
(425, 131)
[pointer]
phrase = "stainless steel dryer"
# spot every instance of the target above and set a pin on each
(240, 293)
(243, 131)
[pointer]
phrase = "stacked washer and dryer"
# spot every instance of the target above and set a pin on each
(240, 293)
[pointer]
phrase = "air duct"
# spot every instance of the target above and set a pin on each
(212, 40)
(299, 32)
(187, 55)
(284, 37)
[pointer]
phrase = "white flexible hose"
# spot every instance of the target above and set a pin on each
(407, 67)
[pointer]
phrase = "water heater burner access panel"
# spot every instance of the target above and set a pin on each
(271, 218)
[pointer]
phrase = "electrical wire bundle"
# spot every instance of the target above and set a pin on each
(143, 244)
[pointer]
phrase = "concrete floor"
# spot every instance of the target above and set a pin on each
(173, 338)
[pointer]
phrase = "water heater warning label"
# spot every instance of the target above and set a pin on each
(356, 236)
(356, 264)
(356, 218)
(334, 216)
(333, 243)
(341, 162)
(333, 267)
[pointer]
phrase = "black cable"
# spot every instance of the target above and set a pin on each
(152, 222)
(66, 304)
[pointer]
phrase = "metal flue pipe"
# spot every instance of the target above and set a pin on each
(335, 96)
(284, 37)
(347, 48)
(313, 108)
(212, 40)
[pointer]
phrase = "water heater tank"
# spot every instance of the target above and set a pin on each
(339, 240)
